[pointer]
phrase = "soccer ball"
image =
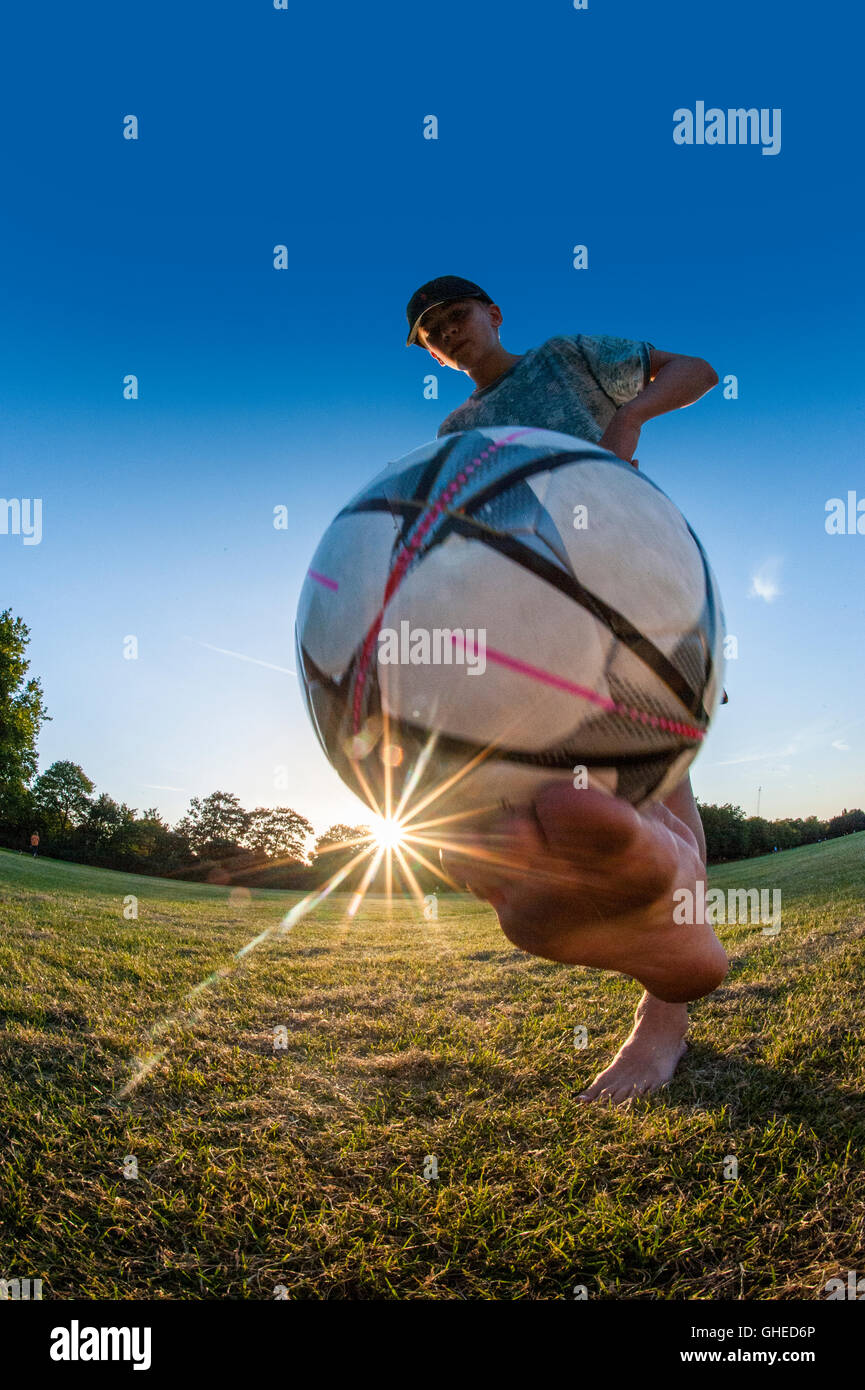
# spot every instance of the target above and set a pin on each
(501, 608)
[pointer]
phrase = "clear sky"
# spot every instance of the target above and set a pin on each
(261, 387)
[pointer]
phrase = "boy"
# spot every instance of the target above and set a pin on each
(585, 879)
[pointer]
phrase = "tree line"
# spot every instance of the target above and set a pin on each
(216, 841)
(730, 834)
(219, 841)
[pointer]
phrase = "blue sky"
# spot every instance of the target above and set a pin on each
(260, 388)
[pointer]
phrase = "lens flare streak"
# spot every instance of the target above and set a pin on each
(397, 838)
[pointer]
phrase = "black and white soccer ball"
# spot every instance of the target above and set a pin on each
(501, 608)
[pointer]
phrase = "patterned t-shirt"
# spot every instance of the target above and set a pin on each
(571, 384)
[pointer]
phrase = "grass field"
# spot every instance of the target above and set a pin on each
(303, 1167)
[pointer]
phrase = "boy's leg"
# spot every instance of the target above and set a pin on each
(590, 881)
(682, 804)
(654, 1047)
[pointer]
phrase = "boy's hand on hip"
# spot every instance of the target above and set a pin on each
(622, 435)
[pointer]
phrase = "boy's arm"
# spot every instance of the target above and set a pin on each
(676, 381)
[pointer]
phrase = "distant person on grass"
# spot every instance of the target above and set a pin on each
(621, 866)
(34, 843)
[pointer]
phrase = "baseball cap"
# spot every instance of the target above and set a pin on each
(440, 291)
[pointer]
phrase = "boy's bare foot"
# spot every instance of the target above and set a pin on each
(649, 1056)
(588, 880)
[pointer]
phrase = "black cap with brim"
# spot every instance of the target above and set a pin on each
(441, 291)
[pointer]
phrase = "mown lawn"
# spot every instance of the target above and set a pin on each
(302, 1167)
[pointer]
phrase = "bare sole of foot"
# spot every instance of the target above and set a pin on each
(585, 879)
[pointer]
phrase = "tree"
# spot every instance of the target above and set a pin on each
(19, 814)
(214, 824)
(846, 823)
(725, 831)
(813, 830)
(63, 791)
(338, 845)
(22, 712)
(760, 836)
(107, 824)
(278, 831)
(155, 846)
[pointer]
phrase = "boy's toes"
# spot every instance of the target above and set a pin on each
(592, 820)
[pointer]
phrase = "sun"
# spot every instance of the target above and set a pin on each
(387, 832)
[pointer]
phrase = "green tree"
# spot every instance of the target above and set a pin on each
(786, 833)
(155, 846)
(846, 823)
(19, 813)
(813, 830)
(725, 830)
(63, 792)
(760, 837)
(279, 832)
(22, 712)
(214, 824)
(338, 845)
(107, 824)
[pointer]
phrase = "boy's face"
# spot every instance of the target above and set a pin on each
(456, 334)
